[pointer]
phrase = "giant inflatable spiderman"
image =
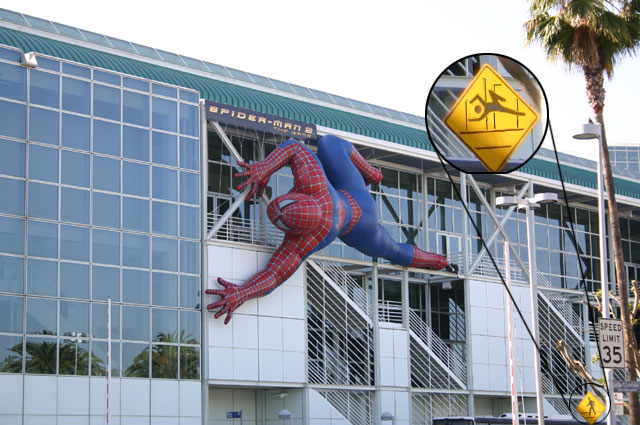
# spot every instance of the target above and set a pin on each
(329, 200)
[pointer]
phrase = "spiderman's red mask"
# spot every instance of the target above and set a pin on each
(295, 213)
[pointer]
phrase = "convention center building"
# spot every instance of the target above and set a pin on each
(117, 186)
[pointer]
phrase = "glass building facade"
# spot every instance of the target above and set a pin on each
(100, 178)
(625, 156)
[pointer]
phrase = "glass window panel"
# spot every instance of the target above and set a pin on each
(76, 95)
(164, 361)
(14, 120)
(189, 257)
(106, 247)
(106, 210)
(74, 280)
(106, 137)
(43, 163)
(43, 239)
(75, 168)
(135, 323)
(50, 64)
(74, 318)
(44, 88)
(189, 96)
(189, 362)
(164, 148)
(73, 356)
(13, 80)
(11, 314)
(76, 131)
(12, 158)
(105, 283)
(189, 327)
(164, 254)
(42, 277)
(12, 235)
(75, 205)
(189, 222)
(135, 108)
(164, 90)
(164, 325)
(106, 77)
(135, 179)
(10, 354)
(41, 316)
(40, 355)
(78, 71)
(189, 119)
(165, 184)
(555, 238)
(164, 115)
(189, 153)
(135, 84)
(11, 274)
(135, 286)
(164, 289)
(74, 243)
(44, 125)
(99, 359)
(13, 196)
(135, 214)
(164, 218)
(9, 54)
(135, 143)
(189, 188)
(135, 250)
(106, 174)
(99, 321)
(189, 291)
(106, 102)
(135, 360)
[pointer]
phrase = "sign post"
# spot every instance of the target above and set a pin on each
(611, 343)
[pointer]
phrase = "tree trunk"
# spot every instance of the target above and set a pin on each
(630, 346)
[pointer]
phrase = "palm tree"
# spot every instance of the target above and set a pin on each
(592, 35)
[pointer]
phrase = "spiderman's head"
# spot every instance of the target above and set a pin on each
(295, 213)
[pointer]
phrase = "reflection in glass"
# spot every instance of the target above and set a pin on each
(99, 359)
(135, 286)
(43, 200)
(164, 254)
(43, 88)
(42, 277)
(135, 179)
(14, 120)
(13, 80)
(11, 313)
(135, 108)
(164, 218)
(44, 125)
(106, 102)
(73, 356)
(12, 235)
(76, 131)
(164, 360)
(188, 119)
(106, 137)
(43, 239)
(135, 360)
(99, 321)
(41, 316)
(135, 250)
(163, 324)
(164, 115)
(43, 163)
(74, 280)
(106, 247)
(12, 158)
(106, 210)
(189, 291)
(164, 148)
(189, 257)
(135, 323)
(74, 243)
(40, 355)
(75, 205)
(75, 168)
(135, 143)
(164, 289)
(189, 154)
(165, 184)
(106, 174)
(76, 95)
(10, 354)
(189, 327)
(11, 274)
(189, 188)
(74, 318)
(189, 362)
(189, 222)
(135, 214)
(105, 283)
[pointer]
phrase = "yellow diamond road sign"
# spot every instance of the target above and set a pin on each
(590, 408)
(491, 118)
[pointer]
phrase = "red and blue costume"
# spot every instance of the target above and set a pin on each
(329, 200)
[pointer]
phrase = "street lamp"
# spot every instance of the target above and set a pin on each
(386, 416)
(285, 414)
(529, 204)
(591, 131)
(77, 338)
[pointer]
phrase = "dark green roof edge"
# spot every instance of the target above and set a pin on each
(244, 97)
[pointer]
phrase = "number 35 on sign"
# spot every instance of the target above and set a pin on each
(611, 343)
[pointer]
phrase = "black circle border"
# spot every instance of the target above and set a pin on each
(580, 419)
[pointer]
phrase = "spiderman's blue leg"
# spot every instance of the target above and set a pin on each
(335, 155)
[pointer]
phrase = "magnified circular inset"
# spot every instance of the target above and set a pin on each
(487, 114)
(590, 404)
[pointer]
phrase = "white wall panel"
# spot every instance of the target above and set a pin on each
(98, 396)
(10, 419)
(135, 397)
(190, 399)
(293, 331)
(496, 322)
(165, 397)
(245, 331)
(135, 420)
(220, 262)
(293, 305)
(73, 420)
(73, 395)
(220, 335)
(39, 420)
(221, 363)
(401, 373)
(271, 304)
(495, 295)
(477, 294)
(10, 395)
(293, 366)
(271, 365)
(270, 333)
(40, 395)
(244, 263)
(497, 351)
(400, 344)
(245, 364)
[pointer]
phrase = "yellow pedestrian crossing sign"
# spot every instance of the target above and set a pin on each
(591, 408)
(491, 118)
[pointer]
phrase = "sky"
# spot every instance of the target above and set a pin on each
(381, 52)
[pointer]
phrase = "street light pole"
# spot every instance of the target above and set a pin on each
(594, 131)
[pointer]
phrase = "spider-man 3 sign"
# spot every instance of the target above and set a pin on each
(329, 200)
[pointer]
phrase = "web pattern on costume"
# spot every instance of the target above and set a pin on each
(356, 212)
(369, 173)
(428, 260)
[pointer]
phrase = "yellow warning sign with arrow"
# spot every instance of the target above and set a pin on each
(491, 118)
(590, 407)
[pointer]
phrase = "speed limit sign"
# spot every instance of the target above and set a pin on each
(611, 343)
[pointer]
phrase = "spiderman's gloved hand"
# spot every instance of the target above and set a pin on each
(258, 175)
(232, 297)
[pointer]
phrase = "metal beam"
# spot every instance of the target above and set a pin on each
(236, 204)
